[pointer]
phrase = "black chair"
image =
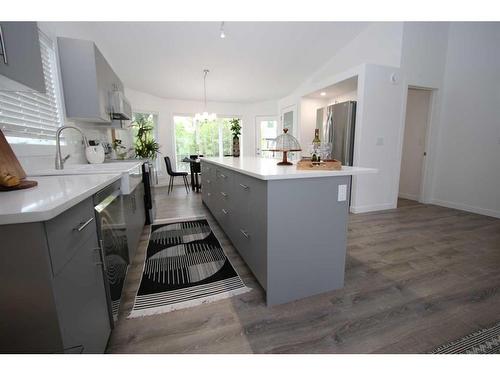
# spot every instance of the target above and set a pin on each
(173, 174)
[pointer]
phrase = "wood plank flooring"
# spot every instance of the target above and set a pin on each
(416, 277)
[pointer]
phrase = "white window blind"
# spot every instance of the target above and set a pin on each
(33, 115)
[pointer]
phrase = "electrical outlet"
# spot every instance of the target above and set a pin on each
(380, 141)
(342, 193)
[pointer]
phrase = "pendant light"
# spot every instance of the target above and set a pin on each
(205, 116)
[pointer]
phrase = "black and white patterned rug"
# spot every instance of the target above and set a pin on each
(485, 341)
(185, 266)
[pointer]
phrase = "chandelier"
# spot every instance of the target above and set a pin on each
(205, 116)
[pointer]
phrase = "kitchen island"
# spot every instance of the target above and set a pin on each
(289, 225)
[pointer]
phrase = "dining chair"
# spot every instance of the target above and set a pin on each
(174, 174)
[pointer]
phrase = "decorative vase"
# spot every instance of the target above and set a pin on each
(236, 146)
(95, 154)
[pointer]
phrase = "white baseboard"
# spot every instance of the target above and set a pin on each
(412, 197)
(370, 208)
(465, 207)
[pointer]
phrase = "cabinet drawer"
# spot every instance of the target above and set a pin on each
(68, 231)
(207, 170)
(252, 246)
(223, 177)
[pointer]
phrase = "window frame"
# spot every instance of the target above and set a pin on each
(219, 116)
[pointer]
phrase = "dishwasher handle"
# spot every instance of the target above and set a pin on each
(102, 205)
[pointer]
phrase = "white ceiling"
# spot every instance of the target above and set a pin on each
(256, 61)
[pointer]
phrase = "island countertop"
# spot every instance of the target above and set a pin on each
(266, 169)
(52, 196)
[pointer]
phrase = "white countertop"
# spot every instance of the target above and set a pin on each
(130, 171)
(103, 168)
(52, 196)
(266, 169)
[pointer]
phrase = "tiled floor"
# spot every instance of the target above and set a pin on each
(416, 277)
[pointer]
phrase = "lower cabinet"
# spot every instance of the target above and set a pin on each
(52, 286)
(239, 203)
(81, 301)
(269, 224)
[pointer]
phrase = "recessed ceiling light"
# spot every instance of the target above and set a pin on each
(322, 93)
(222, 33)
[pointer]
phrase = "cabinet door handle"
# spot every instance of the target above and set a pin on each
(103, 259)
(244, 233)
(209, 194)
(3, 51)
(223, 194)
(223, 175)
(83, 225)
(225, 212)
(208, 181)
(246, 187)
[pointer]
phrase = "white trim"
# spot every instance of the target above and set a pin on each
(187, 304)
(465, 207)
(370, 208)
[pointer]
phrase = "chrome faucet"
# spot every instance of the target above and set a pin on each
(59, 159)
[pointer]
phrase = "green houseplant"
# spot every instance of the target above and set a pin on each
(145, 146)
(236, 130)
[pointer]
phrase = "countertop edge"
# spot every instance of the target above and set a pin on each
(45, 215)
(302, 174)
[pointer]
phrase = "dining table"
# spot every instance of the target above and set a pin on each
(194, 168)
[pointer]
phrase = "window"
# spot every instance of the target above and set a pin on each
(212, 138)
(33, 117)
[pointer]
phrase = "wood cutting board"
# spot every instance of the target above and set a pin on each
(8, 160)
(25, 184)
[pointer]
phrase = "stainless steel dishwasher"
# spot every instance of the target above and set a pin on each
(112, 233)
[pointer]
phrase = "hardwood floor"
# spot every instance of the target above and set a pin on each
(416, 277)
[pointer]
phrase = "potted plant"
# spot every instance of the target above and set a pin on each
(145, 146)
(236, 130)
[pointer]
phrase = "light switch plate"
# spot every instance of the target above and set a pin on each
(342, 193)
(380, 141)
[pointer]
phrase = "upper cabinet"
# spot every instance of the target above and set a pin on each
(20, 57)
(88, 81)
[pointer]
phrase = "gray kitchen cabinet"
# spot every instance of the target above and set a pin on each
(81, 300)
(237, 203)
(135, 218)
(88, 81)
(20, 57)
(52, 285)
(291, 233)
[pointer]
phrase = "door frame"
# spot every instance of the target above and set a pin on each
(290, 108)
(426, 167)
(258, 119)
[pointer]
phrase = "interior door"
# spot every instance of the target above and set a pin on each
(267, 129)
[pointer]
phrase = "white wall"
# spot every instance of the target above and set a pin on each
(417, 116)
(379, 122)
(379, 44)
(423, 62)
(167, 108)
(468, 160)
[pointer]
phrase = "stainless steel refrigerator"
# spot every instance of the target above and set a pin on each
(339, 130)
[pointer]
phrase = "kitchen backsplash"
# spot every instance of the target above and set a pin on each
(33, 157)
